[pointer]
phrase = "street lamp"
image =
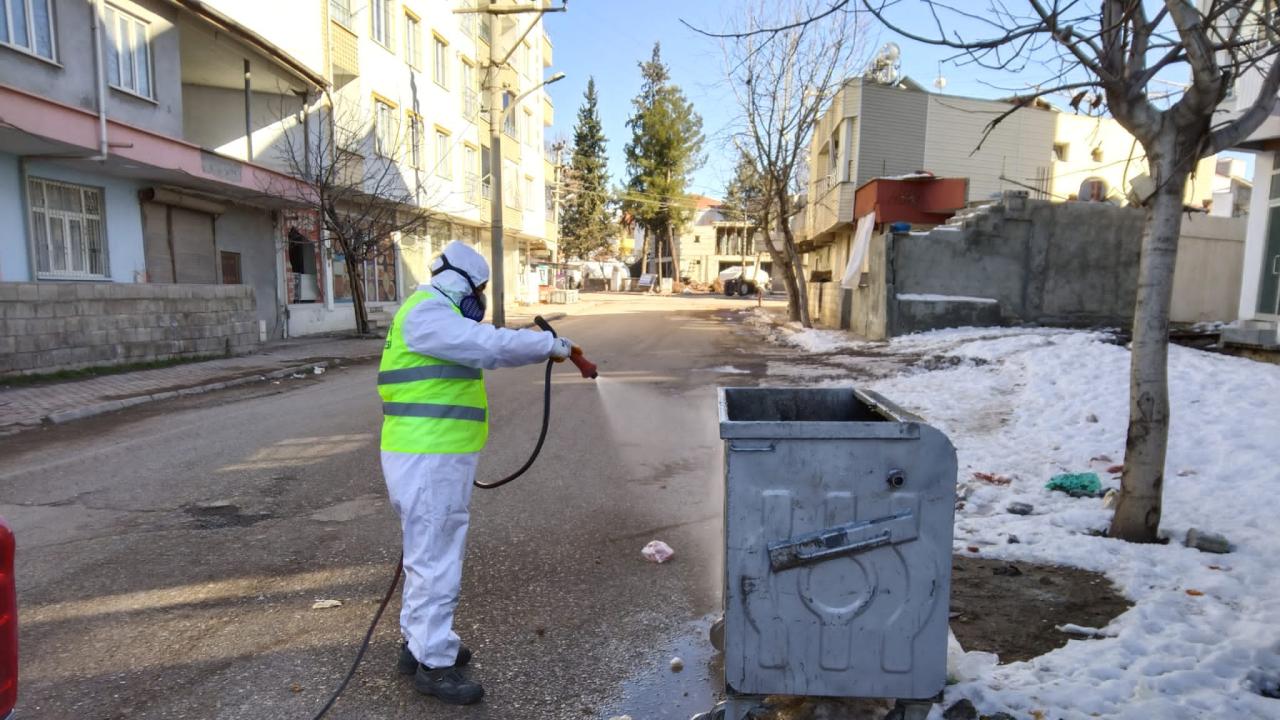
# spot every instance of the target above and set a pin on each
(498, 116)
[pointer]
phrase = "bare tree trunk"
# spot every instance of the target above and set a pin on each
(1137, 517)
(356, 273)
(797, 293)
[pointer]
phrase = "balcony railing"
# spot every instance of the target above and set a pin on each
(472, 189)
(467, 21)
(486, 188)
(470, 103)
(340, 11)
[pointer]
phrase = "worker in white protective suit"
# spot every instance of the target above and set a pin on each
(435, 422)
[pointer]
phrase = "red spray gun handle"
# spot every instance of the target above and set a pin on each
(585, 366)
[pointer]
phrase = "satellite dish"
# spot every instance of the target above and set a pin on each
(892, 51)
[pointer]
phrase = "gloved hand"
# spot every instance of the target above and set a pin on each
(561, 349)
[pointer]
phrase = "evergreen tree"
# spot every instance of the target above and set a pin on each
(666, 139)
(585, 222)
(745, 196)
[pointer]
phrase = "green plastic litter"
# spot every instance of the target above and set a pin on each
(1076, 484)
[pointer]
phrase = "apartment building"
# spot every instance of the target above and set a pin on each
(412, 72)
(873, 130)
(715, 240)
(139, 220)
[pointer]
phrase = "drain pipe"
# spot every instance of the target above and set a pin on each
(103, 147)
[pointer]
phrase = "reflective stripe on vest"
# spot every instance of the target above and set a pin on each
(428, 410)
(430, 406)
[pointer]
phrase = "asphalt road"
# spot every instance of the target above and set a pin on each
(169, 556)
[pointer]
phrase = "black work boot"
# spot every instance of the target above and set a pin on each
(407, 664)
(447, 685)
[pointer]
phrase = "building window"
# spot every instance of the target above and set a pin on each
(1060, 152)
(441, 58)
(467, 21)
(486, 174)
(340, 12)
(509, 118)
(384, 128)
(382, 22)
(379, 274)
(230, 268)
(67, 230)
(510, 185)
(412, 40)
(444, 167)
(416, 139)
(470, 93)
(28, 25)
(128, 52)
(469, 175)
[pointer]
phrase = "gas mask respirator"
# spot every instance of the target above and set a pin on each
(472, 305)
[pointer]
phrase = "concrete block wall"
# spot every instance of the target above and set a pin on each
(47, 327)
(1070, 264)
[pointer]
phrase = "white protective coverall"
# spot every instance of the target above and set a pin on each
(432, 493)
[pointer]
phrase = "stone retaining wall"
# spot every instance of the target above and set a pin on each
(51, 326)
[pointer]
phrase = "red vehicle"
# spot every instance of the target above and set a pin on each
(8, 626)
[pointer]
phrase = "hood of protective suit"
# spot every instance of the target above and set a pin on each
(465, 258)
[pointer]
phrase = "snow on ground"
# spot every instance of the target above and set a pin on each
(1033, 403)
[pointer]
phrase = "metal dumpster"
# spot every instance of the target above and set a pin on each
(838, 529)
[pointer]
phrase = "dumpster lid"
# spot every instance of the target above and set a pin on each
(806, 412)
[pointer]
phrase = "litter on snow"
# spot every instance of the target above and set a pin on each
(1076, 484)
(657, 552)
(1198, 641)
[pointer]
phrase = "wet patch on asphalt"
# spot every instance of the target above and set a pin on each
(658, 691)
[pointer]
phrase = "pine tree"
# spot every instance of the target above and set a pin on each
(585, 222)
(745, 196)
(666, 139)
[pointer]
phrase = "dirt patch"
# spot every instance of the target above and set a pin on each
(1014, 609)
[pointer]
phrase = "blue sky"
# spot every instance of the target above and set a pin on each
(607, 38)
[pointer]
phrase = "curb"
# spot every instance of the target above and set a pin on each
(62, 417)
(87, 411)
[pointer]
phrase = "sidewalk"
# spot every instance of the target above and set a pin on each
(26, 407)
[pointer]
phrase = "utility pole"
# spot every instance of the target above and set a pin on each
(493, 86)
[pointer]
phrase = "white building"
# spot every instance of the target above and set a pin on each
(1259, 322)
(412, 71)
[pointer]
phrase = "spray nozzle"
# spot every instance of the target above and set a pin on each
(585, 366)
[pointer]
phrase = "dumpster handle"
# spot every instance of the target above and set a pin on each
(849, 539)
(733, 447)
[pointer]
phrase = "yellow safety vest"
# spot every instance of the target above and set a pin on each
(429, 406)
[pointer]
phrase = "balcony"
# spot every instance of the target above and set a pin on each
(471, 104)
(546, 51)
(344, 54)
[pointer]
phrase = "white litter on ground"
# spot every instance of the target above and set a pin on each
(657, 552)
(1202, 639)
(728, 370)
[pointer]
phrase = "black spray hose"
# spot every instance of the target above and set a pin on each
(395, 579)
(546, 417)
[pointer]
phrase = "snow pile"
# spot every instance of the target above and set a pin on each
(812, 340)
(1204, 632)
